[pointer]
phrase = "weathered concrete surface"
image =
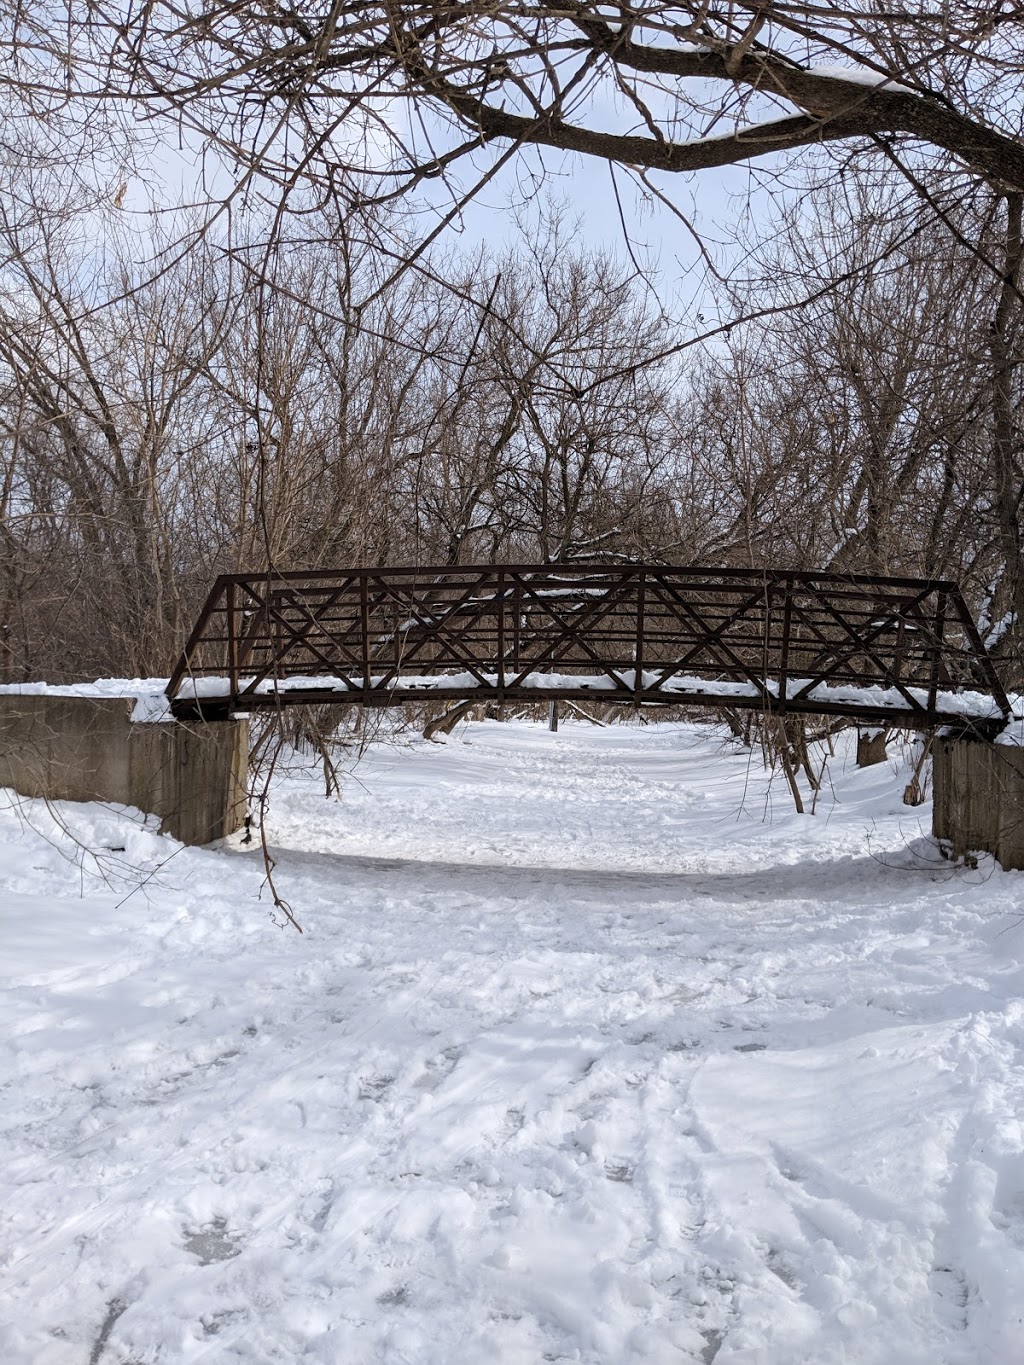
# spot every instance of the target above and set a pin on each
(979, 798)
(193, 776)
(871, 747)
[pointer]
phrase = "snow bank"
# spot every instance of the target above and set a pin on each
(147, 693)
(579, 1058)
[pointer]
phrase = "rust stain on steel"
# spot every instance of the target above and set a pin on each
(782, 641)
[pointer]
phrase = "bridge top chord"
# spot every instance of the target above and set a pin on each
(880, 650)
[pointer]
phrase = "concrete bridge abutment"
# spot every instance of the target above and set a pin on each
(978, 798)
(193, 774)
(190, 774)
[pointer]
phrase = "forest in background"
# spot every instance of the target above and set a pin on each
(156, 432)
(298, 378)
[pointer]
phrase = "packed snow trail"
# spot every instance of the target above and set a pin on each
(581, 1058)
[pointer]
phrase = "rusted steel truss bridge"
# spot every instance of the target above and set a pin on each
(879, 650)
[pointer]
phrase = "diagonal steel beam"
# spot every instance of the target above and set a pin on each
(432, 628)
(331, 666)
(713, 638)
(572, 630)
(861, 646)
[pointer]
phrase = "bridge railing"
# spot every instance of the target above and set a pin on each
(781, 640)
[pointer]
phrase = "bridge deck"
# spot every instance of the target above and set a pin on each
(881, 650)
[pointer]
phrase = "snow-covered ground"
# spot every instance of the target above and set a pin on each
(579, 1059)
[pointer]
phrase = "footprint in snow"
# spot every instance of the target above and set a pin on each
(375, 1087)
(212, 1242)
(438, 1068)
(319, 1219)
(953, 1295)
(394, 1298)
(515, 1121)
(781, 1269)
(712, 1345)
(620, 1172)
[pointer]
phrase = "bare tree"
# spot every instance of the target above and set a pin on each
(427, 83)
(156, 432)
(877, 430)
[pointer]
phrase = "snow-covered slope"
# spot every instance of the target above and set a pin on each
(579, 1059)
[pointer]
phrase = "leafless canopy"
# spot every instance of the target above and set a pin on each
(402, 92)
(283, 389)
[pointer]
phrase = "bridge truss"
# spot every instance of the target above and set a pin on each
(880, 650)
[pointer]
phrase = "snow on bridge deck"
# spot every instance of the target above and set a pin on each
(876, 649)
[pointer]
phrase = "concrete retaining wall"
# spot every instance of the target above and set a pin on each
(193, 776)
(979, 798)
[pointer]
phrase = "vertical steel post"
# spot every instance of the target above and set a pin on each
(517, 594)
(897, 653)
(936, 660)
(232, 628)
(364, 621)
(638, 653)
(500, 625)
(788, 588)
